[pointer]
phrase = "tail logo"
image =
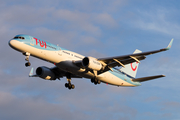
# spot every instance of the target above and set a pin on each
(135, 67)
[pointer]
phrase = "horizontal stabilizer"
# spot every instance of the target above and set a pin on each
(147, 78)
(31, 73)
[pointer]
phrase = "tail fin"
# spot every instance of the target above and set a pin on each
(131, 69)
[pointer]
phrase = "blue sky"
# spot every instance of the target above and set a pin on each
(100, 28)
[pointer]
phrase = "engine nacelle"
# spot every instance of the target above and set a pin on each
(45, 73)
(92, 63)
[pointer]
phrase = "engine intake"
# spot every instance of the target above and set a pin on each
(45, 73)
(92, 63)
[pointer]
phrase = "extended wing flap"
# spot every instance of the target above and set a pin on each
(124, 57)
(147, 78)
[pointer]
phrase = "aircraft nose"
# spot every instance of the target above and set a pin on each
(12, 43)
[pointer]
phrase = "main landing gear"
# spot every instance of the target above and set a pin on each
(27, 59)
(95, 81)
(69, 85)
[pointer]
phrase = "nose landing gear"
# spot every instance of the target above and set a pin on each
(27, 64)
(27, 59)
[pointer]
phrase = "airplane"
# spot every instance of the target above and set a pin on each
(73, 65)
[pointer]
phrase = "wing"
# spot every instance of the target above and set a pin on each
(60, 73)
(126, 59)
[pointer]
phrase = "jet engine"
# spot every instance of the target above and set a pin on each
(45, 73)
(92, 63)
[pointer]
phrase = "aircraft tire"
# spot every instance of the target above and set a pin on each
(72, 86)
(99, 82)
(95, 81)
(27, 64)
(69, 86)
(66, 85)
(92, 80)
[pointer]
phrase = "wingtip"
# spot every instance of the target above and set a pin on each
(170, 44)
(163, 76)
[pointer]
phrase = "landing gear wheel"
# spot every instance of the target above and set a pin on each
(28, 64)
(66, 85)
(95, 81)
(27, 59)
(98, 81)
(69, 86)
(72, 86)
(92, 80)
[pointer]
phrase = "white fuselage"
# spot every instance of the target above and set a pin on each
(64, 59)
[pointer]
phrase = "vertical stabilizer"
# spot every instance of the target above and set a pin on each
(131, 69)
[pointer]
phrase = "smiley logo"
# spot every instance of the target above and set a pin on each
(134, 67)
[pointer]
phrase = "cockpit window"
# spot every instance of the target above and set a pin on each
(19, 38)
